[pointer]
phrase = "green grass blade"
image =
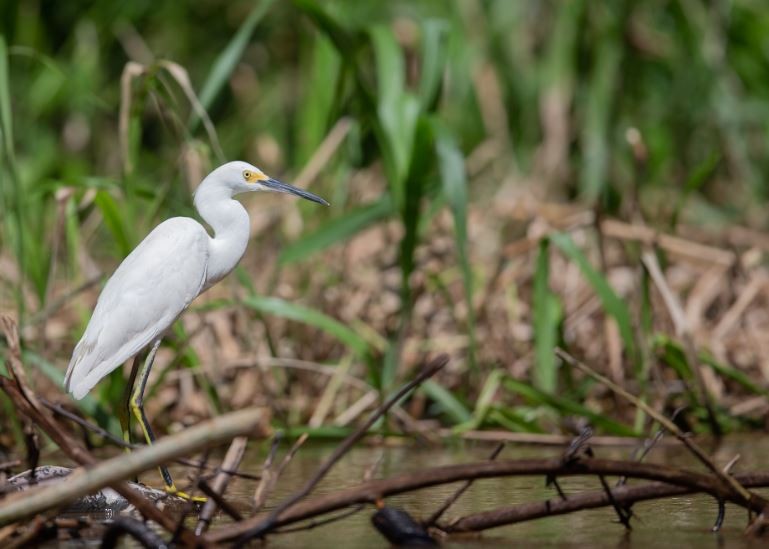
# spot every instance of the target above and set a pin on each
(451, 165)
(566, 406)
(337, 230)
(115, 222)
(227, 60)
(6, 120)
(547, 317)
(612, 304)
(311, 317)
(733, 374)
(390, 69)
(397, 111)
(599, 100)
(484, 402)
(434, 38)
(450, 404)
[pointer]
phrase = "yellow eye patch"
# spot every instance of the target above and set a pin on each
(253, 177)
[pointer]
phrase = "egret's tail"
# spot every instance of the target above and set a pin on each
(75, 380)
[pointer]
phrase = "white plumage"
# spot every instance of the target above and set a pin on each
(166, 271)
(147, 292)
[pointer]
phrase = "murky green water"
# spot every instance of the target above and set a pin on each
(682, 521)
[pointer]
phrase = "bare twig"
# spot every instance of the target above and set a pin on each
(257, 526)
(678, 316)
(218, 500)
(539, 439)
(274, 473)
(29, 406)
(106, 473)
(728, 480)
(624, 495)
(315, 523)
(230, 462)
(438, 513)
(117, 441)
(139, 531)
(268, 474)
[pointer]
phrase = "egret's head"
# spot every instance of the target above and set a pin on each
(242, 177)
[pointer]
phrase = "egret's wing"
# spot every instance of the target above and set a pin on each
(149, 289)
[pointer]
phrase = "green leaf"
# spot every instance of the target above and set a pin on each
(311, 317)
(451, 164)
(337, 230)
(434, 33)
(733, 374)
(320, 98)
(600, 96)
(115, 222)
(547, 317)
(484, 402)
(6, 120)
(227, 60)
(446, 400)
(566, 406)
(390, 70)
(397, 111)
(612, 304)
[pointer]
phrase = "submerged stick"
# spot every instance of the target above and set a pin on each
(438, 513)
(86, 480)
(370, 492)
(258, 526)
(623, 495)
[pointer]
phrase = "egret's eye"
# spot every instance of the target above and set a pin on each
(248, 175)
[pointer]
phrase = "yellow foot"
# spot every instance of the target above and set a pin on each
(173, 491)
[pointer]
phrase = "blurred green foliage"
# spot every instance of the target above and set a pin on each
(614, 103)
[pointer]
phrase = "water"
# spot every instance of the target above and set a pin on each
(674, 522)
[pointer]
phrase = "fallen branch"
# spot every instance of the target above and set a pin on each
(438, 513)
(749, 499)
(370, 492)
(258, 526)
(623, 495)
(230, 462)
(106, 473)
(25, 401)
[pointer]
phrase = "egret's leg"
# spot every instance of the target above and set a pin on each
(124, 410)
(137, 407)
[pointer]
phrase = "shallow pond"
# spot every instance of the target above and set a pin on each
(674, 522)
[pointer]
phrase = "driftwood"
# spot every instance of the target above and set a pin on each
(103, 501)
(86, 480)
(372, 491)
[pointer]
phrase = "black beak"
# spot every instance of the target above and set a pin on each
(279, 186)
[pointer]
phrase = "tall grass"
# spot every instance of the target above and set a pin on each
(551, 87)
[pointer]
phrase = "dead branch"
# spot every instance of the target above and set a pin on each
(438, 513)
(25, 401)
(738, 491)
(370, 492)
(257, 526)
(623, 495)
(230, 462)
(107, 473)
(138, 530)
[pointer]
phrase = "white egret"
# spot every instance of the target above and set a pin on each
(174, 264)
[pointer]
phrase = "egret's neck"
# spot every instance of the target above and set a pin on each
(229, 220)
